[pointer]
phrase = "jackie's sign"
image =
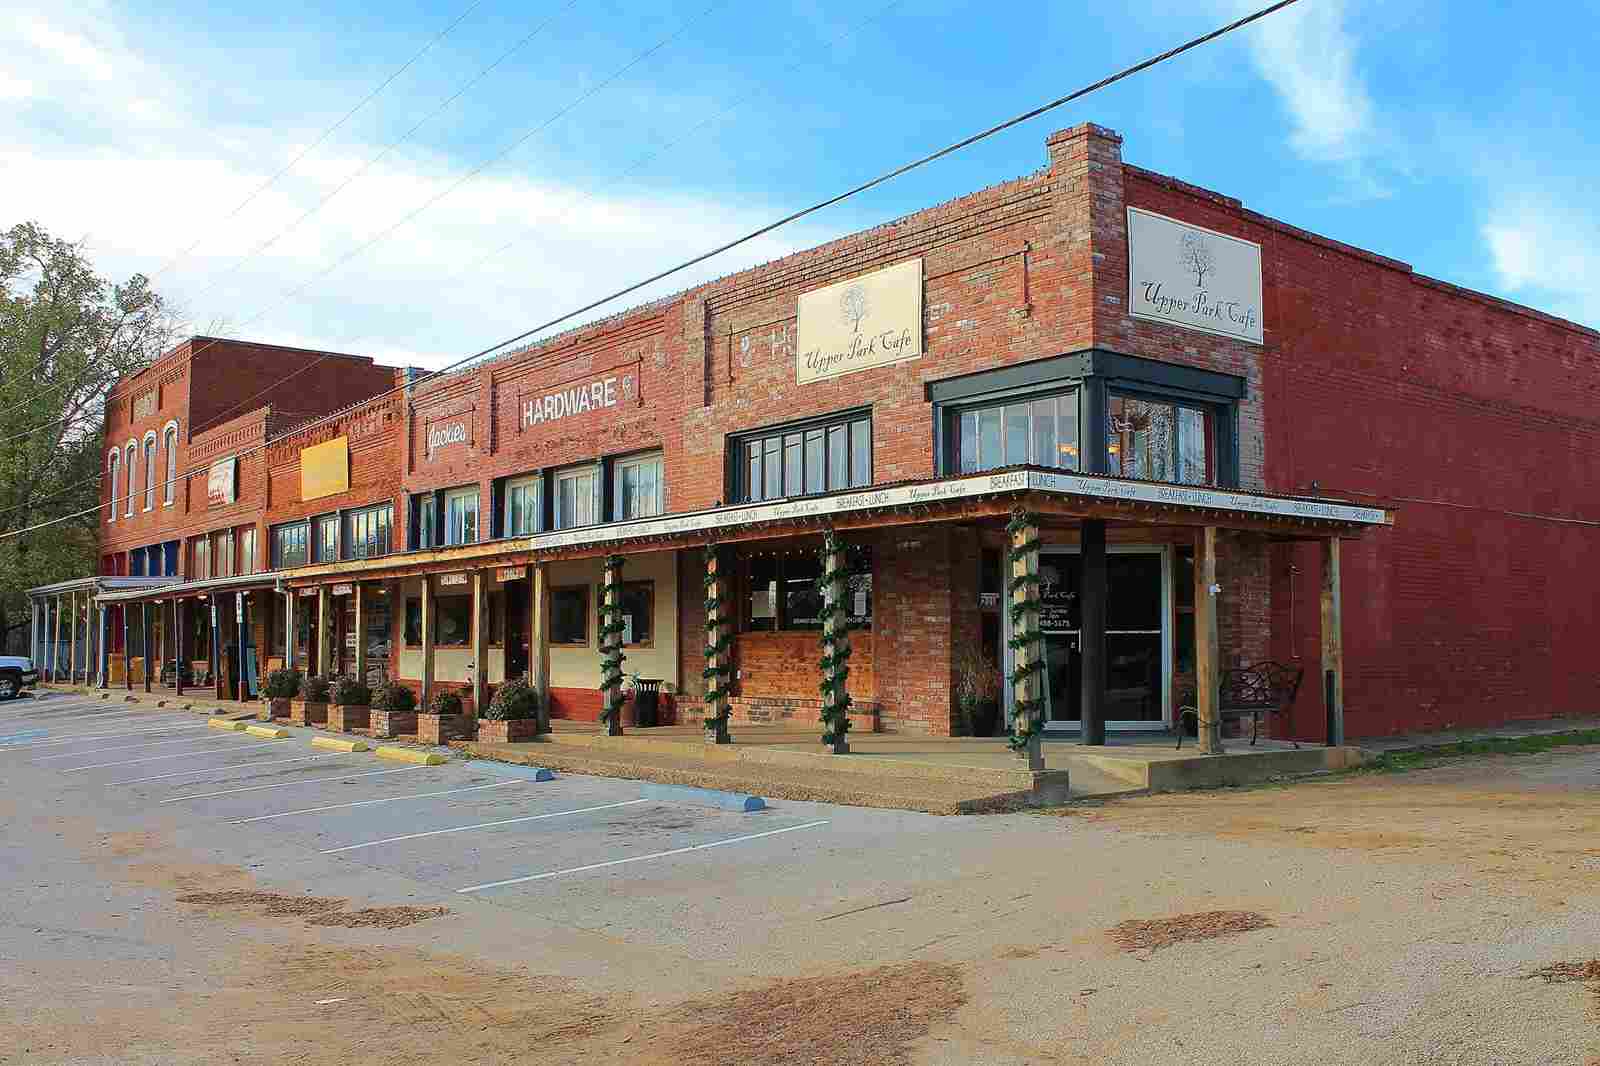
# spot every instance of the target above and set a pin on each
(866, 322)
(596, 395)
(1196, 278)
(448, 433)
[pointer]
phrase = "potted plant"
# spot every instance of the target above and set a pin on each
(977, 690)
(282, 685)
(312, 706)
(394, 710)
(443, 720)
(351, 705)
(512, 715)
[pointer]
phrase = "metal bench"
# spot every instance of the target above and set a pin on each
(1250, 691)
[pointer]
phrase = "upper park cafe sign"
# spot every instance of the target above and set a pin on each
(1197, 278)
(866, 322)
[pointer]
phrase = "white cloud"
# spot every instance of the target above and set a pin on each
(1546, 254)
(1308, 56)
(64, 46)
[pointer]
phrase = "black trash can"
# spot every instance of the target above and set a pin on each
(646, 701)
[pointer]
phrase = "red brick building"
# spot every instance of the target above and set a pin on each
(1220, 428)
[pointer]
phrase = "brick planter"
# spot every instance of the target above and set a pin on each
(305, 712)
(342, 718)
(393, 723)
(277, 708)
(513, 731)
(443, 728)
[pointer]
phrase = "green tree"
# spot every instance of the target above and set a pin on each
(66, 336)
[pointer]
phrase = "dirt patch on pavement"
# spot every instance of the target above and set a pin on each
(1156, 933)
(1563, 972)
(378, 917)
(855, 1019)
(271, 904)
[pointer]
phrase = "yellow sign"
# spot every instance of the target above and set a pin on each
(866, 322)
(325, 469)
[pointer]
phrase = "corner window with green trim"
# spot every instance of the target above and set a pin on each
(1155, 439)
(802, 458)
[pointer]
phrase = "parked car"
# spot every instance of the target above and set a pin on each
(16, 673)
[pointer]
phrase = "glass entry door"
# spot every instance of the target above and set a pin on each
(1139, 584)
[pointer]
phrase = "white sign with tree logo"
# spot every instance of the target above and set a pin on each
(869, 321)
(1193, 277)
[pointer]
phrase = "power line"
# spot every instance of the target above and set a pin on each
(761, 231)
(636, 165)
(348, 115)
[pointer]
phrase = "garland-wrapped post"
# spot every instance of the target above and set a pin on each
(719, 645)
(1026, 643)
(835, 661)
(611, 647)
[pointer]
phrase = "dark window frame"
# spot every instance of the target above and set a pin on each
(774, 441)
(275, 543)
(582, 614)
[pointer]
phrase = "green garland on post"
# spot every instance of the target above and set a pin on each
(719, 639)
(611, 628)
(835, 660)
(1026, 639)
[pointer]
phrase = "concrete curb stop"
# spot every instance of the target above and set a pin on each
(339, 744)
(224, 724)
(704, 797)
(412, 755)
(522, 773)
(265, 732)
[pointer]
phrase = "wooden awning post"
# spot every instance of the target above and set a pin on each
(718, 671)
(55, 645)
(241, 613)
(611, 656)
(427, 641)
(1332, 642)
(182, 653)
(480, 644)
(146, 640)
(127, 650)
(288, 628)
(835, 647)
(539, 639)
(72, 642)
(1206, 675)
(105, 644)
(324, 631)
(1027, 643)
(358, 597)
(1092, 633)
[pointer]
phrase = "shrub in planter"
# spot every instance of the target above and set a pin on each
(512, 716)
(394, 709)
(445, 704)
(351, 705)
(443, 721)
(312, 706)
(314, 689)
(281, 686)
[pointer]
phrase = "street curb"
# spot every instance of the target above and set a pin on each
(704, 797)
(336, 744)
(266, 732)
(422, 758)
(225, 725)
(521, 773)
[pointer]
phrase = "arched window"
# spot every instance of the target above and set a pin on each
(114, 475)
(170, 443)
(132, 466)
(150, 470)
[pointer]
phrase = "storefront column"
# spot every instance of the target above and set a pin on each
(127, 650)
(215, 656)
(1092, 637)
(480, 645)
(1206, 677)
(149, 645)
(1027, 643)
(611, 645)
(55, 645)
(33, 630)
(324, 631)
(104, 625)
(180, 659)
(289, 596)
(72, 640)
(539, 638)
(427, 641)
(719, 646)
(359, 598)
(835, 649)
(1332, 642)
(241, 612)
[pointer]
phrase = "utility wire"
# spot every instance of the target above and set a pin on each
(635, 166)
(761, 231)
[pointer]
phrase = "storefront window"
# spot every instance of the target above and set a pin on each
(807, 459)
(290, 544)
(638, 613)
(1156, 440)
(783, 593)
(569, 615)
(453, 616)
(1041, 432)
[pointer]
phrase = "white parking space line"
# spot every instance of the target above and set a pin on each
(483, 825)
(225, 767)
(368, 803)
(75, 737)
(159, 758)
(119, 748)
(638, 858)
(290, 784)
(72, 717)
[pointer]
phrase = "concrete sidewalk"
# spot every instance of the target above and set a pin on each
(1536, 727)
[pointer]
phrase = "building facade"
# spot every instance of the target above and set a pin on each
(1195, 431)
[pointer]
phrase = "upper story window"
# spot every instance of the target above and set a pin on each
(224, 553)
(150, 471)
(114, 474)
(202, 558)
(170, 443)
(577, 497)
(820, 456)
(291, 544)
(639, 489)
(133, 470)
(326, 538)
(1159, 440)
(1024, 430)
(461, 516)
(247, 550)
(368, 532)
(524, 505)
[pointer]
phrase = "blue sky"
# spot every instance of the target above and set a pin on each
(1454, 138)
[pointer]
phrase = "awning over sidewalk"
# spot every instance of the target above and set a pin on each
(167, 588)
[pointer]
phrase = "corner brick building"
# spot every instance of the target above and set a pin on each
(1195, 432)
